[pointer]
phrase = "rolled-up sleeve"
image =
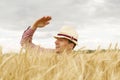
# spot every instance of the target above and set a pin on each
(27, 37)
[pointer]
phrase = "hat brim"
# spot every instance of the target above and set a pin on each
(56, 37)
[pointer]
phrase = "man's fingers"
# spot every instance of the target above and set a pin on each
(47, 18)
(47, 23)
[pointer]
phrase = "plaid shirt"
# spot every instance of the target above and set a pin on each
(26, 42)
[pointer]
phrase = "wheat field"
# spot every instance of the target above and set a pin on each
(80, 65)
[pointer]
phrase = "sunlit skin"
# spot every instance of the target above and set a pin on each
(62, 45)
(42, 22)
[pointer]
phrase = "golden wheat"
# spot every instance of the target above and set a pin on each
(81, 65)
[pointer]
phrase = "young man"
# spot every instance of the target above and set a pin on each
(66, 39)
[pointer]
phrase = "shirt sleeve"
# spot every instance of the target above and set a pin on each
(26, 39)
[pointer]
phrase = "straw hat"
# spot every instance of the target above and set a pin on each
(69, 33)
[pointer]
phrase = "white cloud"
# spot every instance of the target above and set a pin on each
(97, 21)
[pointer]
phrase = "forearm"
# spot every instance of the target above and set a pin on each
(27, 36)
(34, 27)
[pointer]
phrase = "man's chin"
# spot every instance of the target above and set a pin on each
(57, 51)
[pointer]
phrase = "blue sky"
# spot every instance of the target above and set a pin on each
(97, 21)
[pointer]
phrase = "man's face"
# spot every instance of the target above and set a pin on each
(62, 44)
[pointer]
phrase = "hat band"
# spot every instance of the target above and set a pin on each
(67, 36)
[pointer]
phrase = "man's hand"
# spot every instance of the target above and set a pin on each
(42, 22)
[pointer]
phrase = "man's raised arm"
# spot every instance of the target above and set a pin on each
(26, 40)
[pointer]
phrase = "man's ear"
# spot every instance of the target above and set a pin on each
(71, 45)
